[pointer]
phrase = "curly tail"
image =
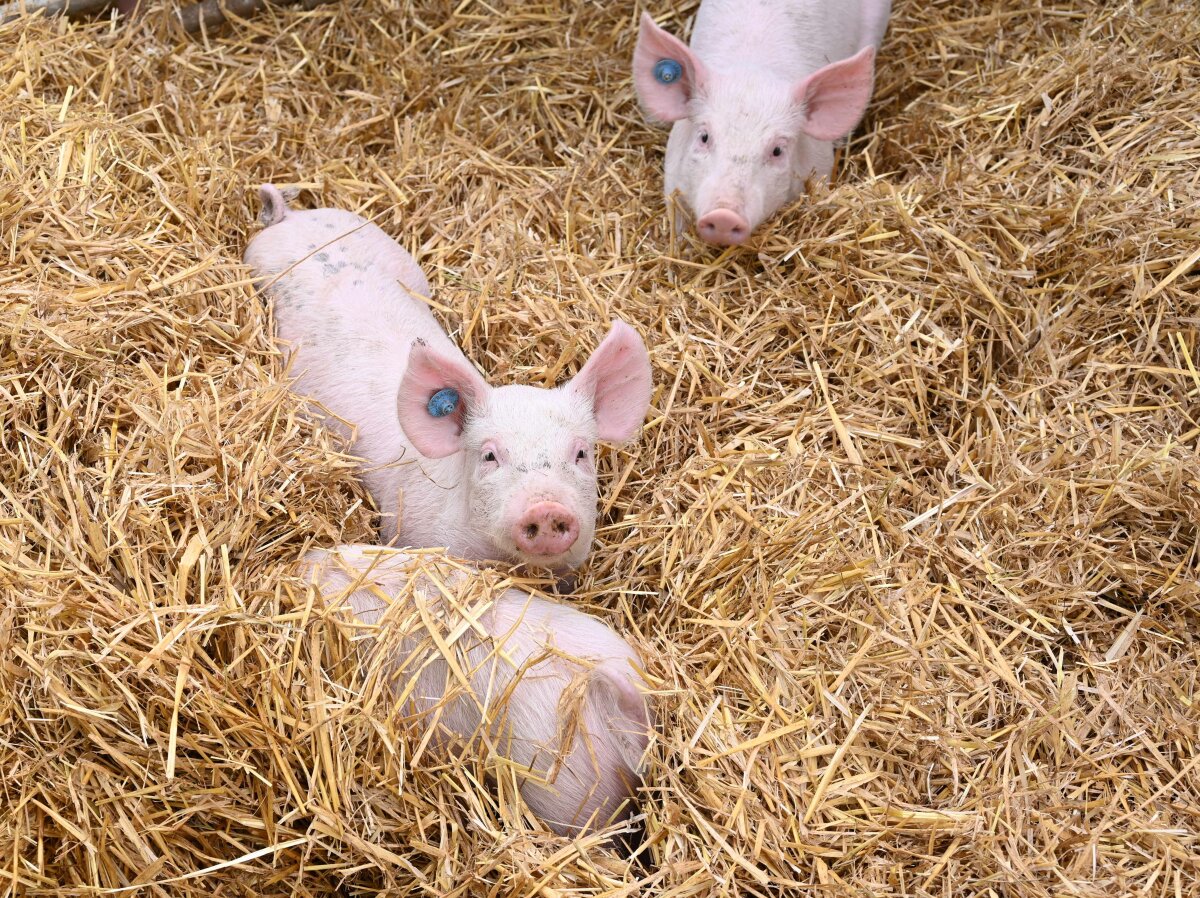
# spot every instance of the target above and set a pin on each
(274, 206)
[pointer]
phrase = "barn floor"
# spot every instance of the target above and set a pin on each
(909, 540)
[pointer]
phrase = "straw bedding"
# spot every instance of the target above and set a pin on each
(909, 541)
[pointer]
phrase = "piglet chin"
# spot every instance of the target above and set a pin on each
(562, 566)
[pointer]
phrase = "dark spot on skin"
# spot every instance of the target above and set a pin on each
(522, 469)
(360, 267)
(322, 257)
(357, 283)
(329, 225)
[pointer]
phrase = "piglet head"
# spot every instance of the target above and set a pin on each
(618, 729)
(592, 767)
(744, 142)
(528, 453)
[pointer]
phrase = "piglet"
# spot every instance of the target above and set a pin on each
(552, 690)
(497, 473)
(758, 99)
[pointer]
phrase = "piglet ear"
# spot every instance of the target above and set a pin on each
(430, 372)
(622, 704)
(835, 97)
(666, 73)
(617, 381)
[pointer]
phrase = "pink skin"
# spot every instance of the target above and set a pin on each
(546, 529)
(723, 227)
(552, 655)
(765, 89)
(366, 348)
(523, 464)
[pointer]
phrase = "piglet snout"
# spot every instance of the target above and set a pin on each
(724, 227)
(546, 529)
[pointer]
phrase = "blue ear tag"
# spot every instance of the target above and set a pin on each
(667, 71)
(443, 403)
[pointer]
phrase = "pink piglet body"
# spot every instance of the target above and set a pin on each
(756, 101)
(495, 473)
(525, 662)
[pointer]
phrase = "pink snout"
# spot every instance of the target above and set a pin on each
(545, 529)
(724, 227)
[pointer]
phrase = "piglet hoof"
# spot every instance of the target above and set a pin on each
(630, 843)
(566, 584)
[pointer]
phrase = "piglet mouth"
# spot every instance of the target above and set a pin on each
(562, 567)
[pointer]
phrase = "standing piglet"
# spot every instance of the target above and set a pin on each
(499, 473)
(552, 690)
(757, 101)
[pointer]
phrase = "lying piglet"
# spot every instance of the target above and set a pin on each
(501, 473)
(757, 101)
(553, 690)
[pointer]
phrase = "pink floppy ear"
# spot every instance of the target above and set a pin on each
(428, 373)
(617, 698)
(617, 380)
(836, 96)
(666, 102)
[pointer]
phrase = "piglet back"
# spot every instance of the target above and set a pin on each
(552, 689)
(308, 245)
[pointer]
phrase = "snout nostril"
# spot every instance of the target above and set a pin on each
(546, 528)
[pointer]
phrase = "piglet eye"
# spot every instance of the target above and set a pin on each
(581, 455)
(778, 151)
(704, 137)
(489, 455)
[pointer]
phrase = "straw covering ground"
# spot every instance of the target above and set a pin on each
(909, 541)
